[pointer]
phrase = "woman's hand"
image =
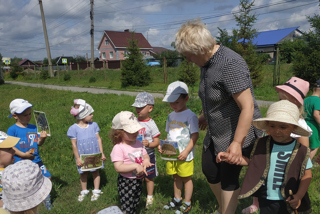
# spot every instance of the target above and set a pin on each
(235, 153)
(202, 122)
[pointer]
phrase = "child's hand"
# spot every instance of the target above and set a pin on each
(295, 202)
(318, 159)
(183, 155)
(103, 158)
(222, 156)
(146, 163)
(140, 170)
(145, 143)
(79, 162)
(43, 134)
(159, 149)
(28, 155)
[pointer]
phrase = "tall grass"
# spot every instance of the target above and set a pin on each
(57, 154)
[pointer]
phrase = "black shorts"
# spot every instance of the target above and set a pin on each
(275, 207)
(222, 172)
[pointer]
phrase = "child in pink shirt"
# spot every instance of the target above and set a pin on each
(129, 158)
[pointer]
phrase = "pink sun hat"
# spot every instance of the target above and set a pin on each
(296, 87)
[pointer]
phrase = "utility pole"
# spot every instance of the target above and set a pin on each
(46, 39)
(91, 33)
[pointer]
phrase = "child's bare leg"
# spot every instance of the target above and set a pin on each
(96, 179)
(313, 153)
(150, 186)
(188, 186)
(83, 180)
(177, 186)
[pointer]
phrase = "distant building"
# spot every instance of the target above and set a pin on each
(59, 59)
(113, 45)
(26, 63)
(158, 50)
(267, 41)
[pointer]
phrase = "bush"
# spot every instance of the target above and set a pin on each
(16, 71)
(67, 77)
(44, 74)
(188, 73)
(92, 79)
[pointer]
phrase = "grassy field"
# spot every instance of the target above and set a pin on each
(57, 154)
(111, 79)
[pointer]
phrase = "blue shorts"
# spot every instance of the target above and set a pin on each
(44, 169)
(152, 170)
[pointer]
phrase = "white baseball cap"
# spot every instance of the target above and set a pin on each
(127, 121)
(18, 106)
(174, 91)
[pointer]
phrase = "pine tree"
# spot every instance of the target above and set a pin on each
(242, 40)
(133, 69)
(188, 73)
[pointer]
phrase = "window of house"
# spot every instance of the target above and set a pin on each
(111, 54)
(144, 53)
(106, 42)
(103, 55)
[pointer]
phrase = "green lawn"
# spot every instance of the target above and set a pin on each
(57, 154)
(111, 79)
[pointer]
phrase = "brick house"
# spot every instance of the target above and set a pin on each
(113, 45)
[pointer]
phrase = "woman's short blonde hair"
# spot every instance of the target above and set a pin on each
(193, 37)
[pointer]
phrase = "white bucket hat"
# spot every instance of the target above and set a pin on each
(18, 106)
(282, 111)
(84, 110)
(174, 91)
(127, 121)
(24, 186)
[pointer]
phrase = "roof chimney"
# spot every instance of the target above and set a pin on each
(126, 30)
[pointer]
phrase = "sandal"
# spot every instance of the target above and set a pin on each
(251, 209)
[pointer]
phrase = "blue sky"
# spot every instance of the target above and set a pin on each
(68, 21)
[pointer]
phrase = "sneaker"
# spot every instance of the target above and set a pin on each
(47, 203)
(149, 202)
(172, 204)
(82, 195)
(95, 195)
(184, 208)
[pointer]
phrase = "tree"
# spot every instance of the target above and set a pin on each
(188, 73)
(15, 61)
(241, 41)
(171, 57)
(133, 70)
(224, 38)
(306, 63)
(45, 61)
(288, 49)
(79, 59)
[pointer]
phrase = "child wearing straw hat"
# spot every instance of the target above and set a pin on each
(6, 156)
(278, 163)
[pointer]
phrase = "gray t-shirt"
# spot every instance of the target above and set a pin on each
(225, 74)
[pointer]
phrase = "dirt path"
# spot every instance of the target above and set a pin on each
(261, 103)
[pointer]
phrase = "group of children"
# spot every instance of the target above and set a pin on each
(279, 168)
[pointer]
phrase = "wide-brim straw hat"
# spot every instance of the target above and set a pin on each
(282, 111)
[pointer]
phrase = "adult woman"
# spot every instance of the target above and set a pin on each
(228, 105)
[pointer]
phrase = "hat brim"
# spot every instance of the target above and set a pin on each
(23, 204)
(171, 98)
(23, 108)
(261, 124)
(290, 91)
(9, 142)
(132, 128)
(139, 105)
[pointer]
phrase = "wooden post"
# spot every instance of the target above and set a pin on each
(165, 70)
(275, 67)
(278, 63)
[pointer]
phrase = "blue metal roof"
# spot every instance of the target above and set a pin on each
(271, 37)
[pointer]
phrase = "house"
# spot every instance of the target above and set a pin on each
(26, 63)
(158, 50)
(113, 44)
(268, 41)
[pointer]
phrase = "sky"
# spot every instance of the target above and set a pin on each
(68, 22)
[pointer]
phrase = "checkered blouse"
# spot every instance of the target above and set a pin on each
(225, 74)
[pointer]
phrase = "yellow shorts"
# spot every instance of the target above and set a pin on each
(181, 168)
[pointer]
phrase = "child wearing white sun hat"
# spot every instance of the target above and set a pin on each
(278, 164)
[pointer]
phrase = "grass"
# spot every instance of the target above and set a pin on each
(110, 79)
(57, 154)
